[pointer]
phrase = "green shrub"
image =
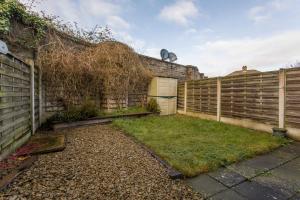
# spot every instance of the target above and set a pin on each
(153, 106)
(73, 114)
(88, 110)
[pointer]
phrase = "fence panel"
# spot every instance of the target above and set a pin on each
(137, 99)
(202, 96)
(14, 101)
(292, 112)
(251, 96)
(51, 103)
(180, 99)
(190, 97)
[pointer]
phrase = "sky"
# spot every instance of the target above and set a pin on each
(217, 36)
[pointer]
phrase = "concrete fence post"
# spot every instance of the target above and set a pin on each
(219, 86)
(282, 88)
(32, 104)
(185, 97)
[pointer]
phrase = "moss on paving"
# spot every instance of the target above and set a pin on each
(194, 146)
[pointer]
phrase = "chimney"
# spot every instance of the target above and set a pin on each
(245, 68)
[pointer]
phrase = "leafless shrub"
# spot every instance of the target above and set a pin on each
(108, 69)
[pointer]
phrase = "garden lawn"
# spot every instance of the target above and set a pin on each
(123, 111)
(194, 146)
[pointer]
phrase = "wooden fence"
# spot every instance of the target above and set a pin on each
(19, 103)
(292, 112)
(259, 101)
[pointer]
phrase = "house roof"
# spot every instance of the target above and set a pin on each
(243, 71)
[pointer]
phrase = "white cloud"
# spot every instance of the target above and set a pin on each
(265, 12)
(259, 14)
(181, 12)
(191, 31)
(100, 7)
(221, 57)
(135, 43)
(152, 51)
(117, 23)
(87, 12)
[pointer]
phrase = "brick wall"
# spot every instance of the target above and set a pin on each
(171, 70)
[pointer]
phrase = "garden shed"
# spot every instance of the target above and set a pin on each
(164, 90)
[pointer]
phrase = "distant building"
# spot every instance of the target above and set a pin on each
(243, 71)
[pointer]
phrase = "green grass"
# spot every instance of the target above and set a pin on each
(124, 111)
(194, 146)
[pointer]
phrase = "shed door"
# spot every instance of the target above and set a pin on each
(167, 87)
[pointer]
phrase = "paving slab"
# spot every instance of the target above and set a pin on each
(268, 161)
(293, 148)
(255, 191)
(245, 169)
(289, 172)
(277, 183)
(260, 164)
(296, 197)
(227, 177)
(227, 195)
(272, 176)
(286, 153)
(205, 185)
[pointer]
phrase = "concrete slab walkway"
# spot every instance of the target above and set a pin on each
(273, 176)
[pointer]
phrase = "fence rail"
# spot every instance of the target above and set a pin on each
(267, 99)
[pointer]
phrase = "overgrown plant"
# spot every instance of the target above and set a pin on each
(13, 10)
(153, 106)
(101, 67)
(107, 70)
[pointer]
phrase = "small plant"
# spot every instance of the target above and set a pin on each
(153, 106)
(83, 112)
(88, 110)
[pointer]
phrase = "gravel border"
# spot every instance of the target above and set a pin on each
(99, 162)
(173, 173)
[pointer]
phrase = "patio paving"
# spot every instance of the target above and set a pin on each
(272, 176)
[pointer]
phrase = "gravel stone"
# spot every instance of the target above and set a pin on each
(99, 162)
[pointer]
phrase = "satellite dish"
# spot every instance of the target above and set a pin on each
(172, 57)
(164, 54)
(3, 47)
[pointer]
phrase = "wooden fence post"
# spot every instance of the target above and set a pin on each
(32, 111)
(219, 86)
(185, 97)
(282, 88)
(40, 96)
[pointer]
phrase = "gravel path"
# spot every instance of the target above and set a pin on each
(98, 163)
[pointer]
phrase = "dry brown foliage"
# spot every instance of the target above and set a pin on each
(107, 70)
